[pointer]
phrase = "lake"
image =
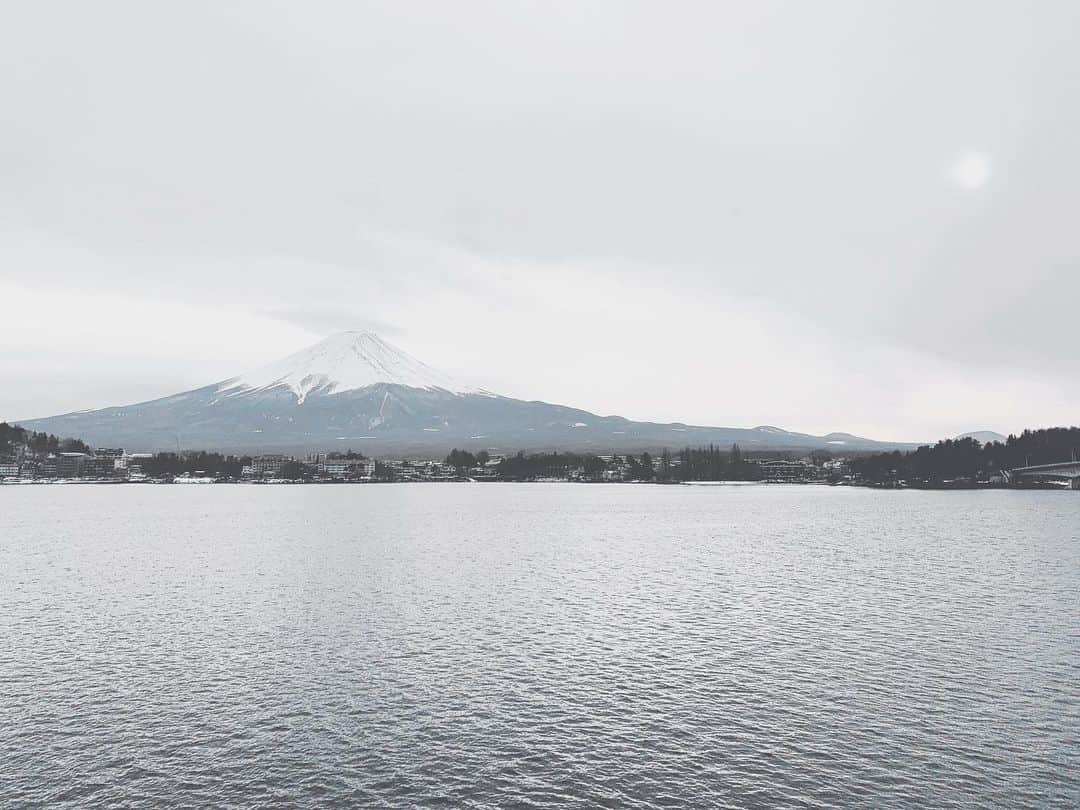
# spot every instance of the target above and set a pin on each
(538, 645)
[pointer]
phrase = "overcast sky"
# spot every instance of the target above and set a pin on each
(853, 216)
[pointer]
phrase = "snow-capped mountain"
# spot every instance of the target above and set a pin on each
(347, 361)
(355, 390)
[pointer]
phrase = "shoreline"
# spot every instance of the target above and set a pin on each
(283, 482)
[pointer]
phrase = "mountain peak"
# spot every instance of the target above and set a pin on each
(345, 361)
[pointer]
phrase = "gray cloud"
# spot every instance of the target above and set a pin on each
(518, 176)
(328, 321)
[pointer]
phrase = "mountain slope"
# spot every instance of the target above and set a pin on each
(354, 390)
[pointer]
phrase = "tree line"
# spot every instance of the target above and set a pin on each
(462, 460)
(196, 462)
(968, 459)
(12, 437)
(713, 464)
(689, 464)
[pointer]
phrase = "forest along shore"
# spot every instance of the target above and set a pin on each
(30, 457)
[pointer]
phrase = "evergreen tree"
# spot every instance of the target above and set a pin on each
(648, 473)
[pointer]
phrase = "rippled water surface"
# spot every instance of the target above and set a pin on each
(538, 645)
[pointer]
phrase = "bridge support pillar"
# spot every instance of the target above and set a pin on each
(1076, 483)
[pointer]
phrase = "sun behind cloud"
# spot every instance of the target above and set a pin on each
(971, 170)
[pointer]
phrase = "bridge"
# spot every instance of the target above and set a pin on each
(1065, 471)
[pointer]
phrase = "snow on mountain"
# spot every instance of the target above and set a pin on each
(354, 390)
(343, 362)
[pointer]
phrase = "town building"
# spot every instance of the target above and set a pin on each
(269, 466)
(783, 470)
(71, 465)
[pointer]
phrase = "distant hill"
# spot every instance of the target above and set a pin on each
(984, 436)
(355, 390)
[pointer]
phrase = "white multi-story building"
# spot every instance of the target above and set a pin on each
(335, 468)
